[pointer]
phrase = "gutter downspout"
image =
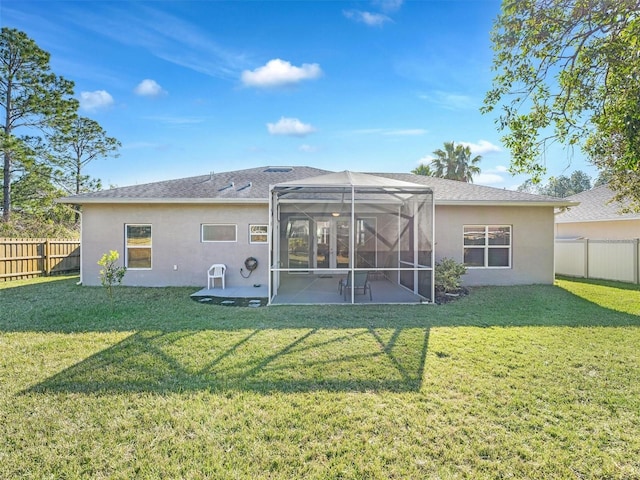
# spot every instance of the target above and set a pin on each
(81, 242)
(557, 212)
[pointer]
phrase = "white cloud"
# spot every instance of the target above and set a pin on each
(487, 179)
(291, 127)
(406, 133)
(149, 88)
(165, 36)
(449, 100)
(368, 18)
(389, 5)
(279, 72)
(92, 101)
(482, 147)
(308, 148)
(496, 175)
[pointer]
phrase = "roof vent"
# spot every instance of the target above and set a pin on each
(278, 169)
(244, 187)
(230, 185)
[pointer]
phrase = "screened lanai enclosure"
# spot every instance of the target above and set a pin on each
(351, 238)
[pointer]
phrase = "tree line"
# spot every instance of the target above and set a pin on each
(45, 144)
(563, 185)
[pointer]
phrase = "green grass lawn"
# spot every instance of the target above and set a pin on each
(512, 382)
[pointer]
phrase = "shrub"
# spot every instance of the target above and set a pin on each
(447, 275)
(111, 274)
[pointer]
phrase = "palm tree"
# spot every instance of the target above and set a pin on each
(466, 167)
(444, 165)
(423, 169)
(455, 163)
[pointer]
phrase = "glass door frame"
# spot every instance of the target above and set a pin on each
(305, 244)
(333, 247)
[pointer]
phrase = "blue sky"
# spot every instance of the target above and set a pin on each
(191, 87)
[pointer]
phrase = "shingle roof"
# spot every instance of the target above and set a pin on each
(252, 185)
(242, 185)
(595, 205)
(453, 192)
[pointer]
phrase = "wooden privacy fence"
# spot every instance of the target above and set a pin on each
(34, 257)
(603, 259)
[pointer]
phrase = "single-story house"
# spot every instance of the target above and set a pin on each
(304, 231)
(597, 217)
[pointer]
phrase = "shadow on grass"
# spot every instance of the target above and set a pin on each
(63, 307)
(297, 360)
(178, 345)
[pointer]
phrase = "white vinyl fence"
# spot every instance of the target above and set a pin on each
(603, 259)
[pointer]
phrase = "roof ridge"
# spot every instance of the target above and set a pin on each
(207, 188)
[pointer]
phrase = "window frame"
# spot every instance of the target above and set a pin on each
(486, 247)
(253, 234)
(147, 247)
(203, 225)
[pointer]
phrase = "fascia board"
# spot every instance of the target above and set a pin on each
(264, 201)
(158, 201)
(600, 220)
(497, 203)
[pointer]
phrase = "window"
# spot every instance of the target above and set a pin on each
(219, 233)
(258, 233)
(138, 251)
(487, 246)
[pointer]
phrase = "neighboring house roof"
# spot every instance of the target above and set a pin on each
(596, 205)
(252, 186)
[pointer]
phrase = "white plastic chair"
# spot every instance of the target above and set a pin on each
(215, 271)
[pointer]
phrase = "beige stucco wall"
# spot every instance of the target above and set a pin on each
(613, 230)
(176, 241)
(532, 242)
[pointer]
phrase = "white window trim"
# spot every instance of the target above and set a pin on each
(235, 226)
(486, 247)
(127, 247)
(252, 234)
